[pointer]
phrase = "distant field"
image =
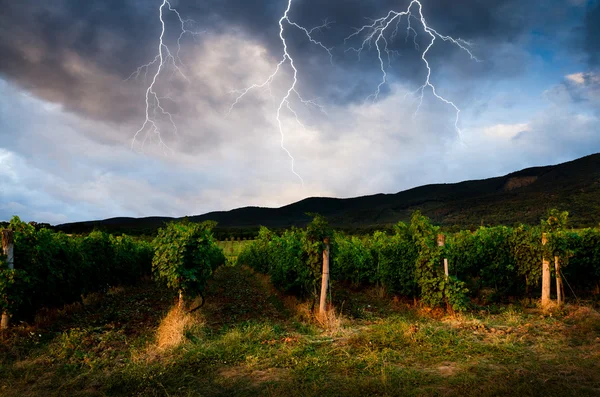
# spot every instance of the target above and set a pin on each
(232, 248)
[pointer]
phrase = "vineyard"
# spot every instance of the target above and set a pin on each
(491, 264)
(99, 314)
(54, 269)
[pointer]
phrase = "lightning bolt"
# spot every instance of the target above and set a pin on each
(291, 91)
(155, 112)
(375, 33)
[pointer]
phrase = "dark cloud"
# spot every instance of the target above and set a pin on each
(78, 52)
(75, 53)
(484, 22)
(591, 29)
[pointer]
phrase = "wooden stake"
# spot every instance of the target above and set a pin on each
(441, 241)
(5, 320)
(180, 302)
(559, 289)
(545, 278)
(8, 250)
(8, 247)
(324, 280)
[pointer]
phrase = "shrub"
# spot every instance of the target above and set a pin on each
(185, 257)
(395, 257)
(52, 269)
(434, 287)
(354, 261)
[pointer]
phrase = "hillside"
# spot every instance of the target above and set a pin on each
(520, 197)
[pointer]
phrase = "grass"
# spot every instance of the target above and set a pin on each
(232, 248)
(250, 340)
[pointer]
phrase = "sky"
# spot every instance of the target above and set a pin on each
(79, 142)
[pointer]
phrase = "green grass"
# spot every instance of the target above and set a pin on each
(232, 248)
(248, 340)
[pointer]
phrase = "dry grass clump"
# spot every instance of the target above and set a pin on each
(170, 332)
(584, 324)
(45, 317)
(302, 310)
(118, 290)
(330, 320)
(91, 299)
(582, 313)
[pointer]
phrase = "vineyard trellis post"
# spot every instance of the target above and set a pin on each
(324, 279)
(545, 276)
(8, 251)
(559, 285)
(441, 240)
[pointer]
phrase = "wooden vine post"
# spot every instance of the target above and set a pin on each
(324, 280)
(559, 284)
(441, 241)
(180, 300)
(8, 250)
(545, 277)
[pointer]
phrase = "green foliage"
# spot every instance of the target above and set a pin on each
(555, 221)
(256, 253)
(483, 259)
(318, 232)
(290, 267)
(502, 260)
(583, 270)
(131, 258)
(185, 256)
(354, 261)
(456, 294)
(555, 228)
(395, 257)
(526, 250)
(52, 269)
(293, 260)
(427, 272)
(296, 257)
(11, 296)
(435, 289)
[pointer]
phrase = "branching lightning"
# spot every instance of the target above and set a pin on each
(379, 33)
(165, 58)
(291, 91)
(375, 33)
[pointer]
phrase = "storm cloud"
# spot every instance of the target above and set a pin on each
(68, 112)
(78, 53)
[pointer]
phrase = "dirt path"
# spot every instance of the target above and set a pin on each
(236, 295)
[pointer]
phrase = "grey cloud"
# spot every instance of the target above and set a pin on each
(382, 149)
(591, 33)
(77, 53)
(582, 89)
(72, 160)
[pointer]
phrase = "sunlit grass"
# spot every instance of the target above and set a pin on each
(232, 248)
(247, 342)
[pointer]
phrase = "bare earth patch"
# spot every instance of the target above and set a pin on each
(257, 377)
(448, 369)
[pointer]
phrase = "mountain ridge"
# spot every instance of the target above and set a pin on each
(573, 186)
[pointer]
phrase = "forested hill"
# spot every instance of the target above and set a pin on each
(520, 197)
